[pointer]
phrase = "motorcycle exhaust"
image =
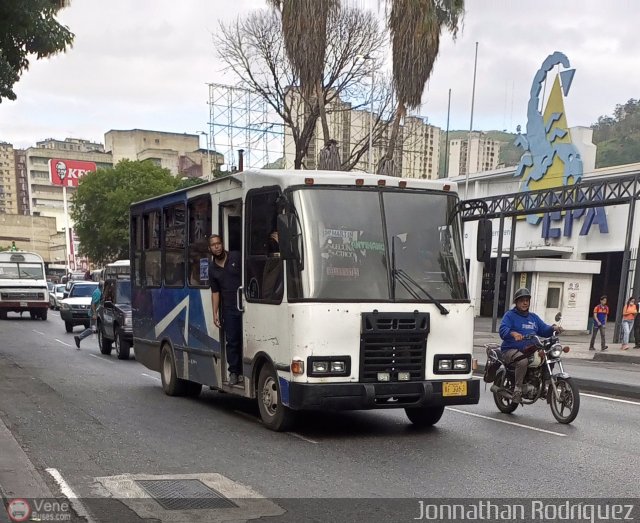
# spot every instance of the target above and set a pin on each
(500, 391)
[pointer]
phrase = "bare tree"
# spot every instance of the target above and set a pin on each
(253, 48)
(415, 27)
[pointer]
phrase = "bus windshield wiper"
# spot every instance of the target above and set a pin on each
(400, 276)
(407, 280)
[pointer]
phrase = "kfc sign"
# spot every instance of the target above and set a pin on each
(68, 172)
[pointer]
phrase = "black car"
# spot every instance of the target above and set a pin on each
(114, 318)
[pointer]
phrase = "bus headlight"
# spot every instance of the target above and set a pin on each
(461, 365)
(444, 365)
(320, 366)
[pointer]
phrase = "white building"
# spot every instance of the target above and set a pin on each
(482, 155)
(568, 260)
(417, 152)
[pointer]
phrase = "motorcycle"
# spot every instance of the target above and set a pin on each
(541, 381)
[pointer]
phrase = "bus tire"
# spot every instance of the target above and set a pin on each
(274, 414)
(171, 384)
(68, 326)
(43, 314)
(424, 416)
(123, 347)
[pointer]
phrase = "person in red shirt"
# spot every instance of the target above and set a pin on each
(600, 315)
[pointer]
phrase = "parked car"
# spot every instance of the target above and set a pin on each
(114, 318)
(56, 296)
(74, 310)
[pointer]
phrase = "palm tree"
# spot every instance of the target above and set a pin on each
(304, 30)
(415, 27)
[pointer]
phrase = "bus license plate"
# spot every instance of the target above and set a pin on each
(23, 304)
(454, 388)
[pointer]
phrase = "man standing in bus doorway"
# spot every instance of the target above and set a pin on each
(225, 278)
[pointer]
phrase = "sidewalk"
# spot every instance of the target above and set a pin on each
(614, 371)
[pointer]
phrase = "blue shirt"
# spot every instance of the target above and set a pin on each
(528, 323)
(95, 299)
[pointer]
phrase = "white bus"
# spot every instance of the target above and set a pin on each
(23, 284)
(365, 306)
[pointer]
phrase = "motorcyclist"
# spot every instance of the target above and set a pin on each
(516, 324)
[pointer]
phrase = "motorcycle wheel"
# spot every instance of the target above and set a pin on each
(566, 408)
(504, 404)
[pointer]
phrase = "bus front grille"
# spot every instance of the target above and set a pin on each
(393, 343)
(15, 295)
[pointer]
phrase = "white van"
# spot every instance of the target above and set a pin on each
(23, 285)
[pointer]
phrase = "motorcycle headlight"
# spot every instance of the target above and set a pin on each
(555, 351)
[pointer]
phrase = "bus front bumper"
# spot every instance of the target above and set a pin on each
(362, 396)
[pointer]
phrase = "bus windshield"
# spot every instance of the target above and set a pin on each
(21, 270)
(378, 245)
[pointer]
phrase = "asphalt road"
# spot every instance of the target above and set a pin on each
(90, 423)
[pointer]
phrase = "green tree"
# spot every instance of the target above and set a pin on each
(304, 30)
(100, 205)
(415, 27)
(618, 136)
(28, 28)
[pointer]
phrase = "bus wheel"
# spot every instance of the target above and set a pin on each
(43, 314)
(171, 384)
(424, 416)
(274, 414)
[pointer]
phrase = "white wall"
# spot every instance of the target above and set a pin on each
(575, 306)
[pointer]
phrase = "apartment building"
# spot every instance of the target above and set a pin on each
(8, 188)
(46, 199)
(480, 153)
(417, 151)
(180, 153)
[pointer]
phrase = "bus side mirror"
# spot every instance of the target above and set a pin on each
(288, 236)
(485, 234)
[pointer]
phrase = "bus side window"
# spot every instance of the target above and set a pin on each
(198, 248)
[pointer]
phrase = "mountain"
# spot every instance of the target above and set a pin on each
(618, 136)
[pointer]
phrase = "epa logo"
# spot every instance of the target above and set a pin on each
(18, 510)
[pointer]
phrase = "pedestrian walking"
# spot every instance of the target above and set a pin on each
(600, 315)
(628, 317)
(93, 314)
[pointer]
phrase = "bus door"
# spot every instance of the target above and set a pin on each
(230, 228)
(265, 318)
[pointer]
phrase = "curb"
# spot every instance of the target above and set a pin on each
(597, 386)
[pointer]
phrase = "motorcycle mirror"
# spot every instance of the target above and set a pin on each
(559, 316)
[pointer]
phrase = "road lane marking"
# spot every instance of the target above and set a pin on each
(63, 343)
(102, 359)
(610, 399)
(300, 436)
(68, 492)
(507, 422)
(152, 377)
(39, 332)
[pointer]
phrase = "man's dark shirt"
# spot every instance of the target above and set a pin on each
(227, 279)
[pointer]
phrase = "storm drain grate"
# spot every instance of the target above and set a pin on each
(184, 494)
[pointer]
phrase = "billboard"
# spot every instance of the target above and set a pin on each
(68, 172)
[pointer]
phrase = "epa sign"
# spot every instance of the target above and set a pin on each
(68, 172)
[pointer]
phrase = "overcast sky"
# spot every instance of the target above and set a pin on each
(145, 64)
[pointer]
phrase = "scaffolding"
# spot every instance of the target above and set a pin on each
(241, 119)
